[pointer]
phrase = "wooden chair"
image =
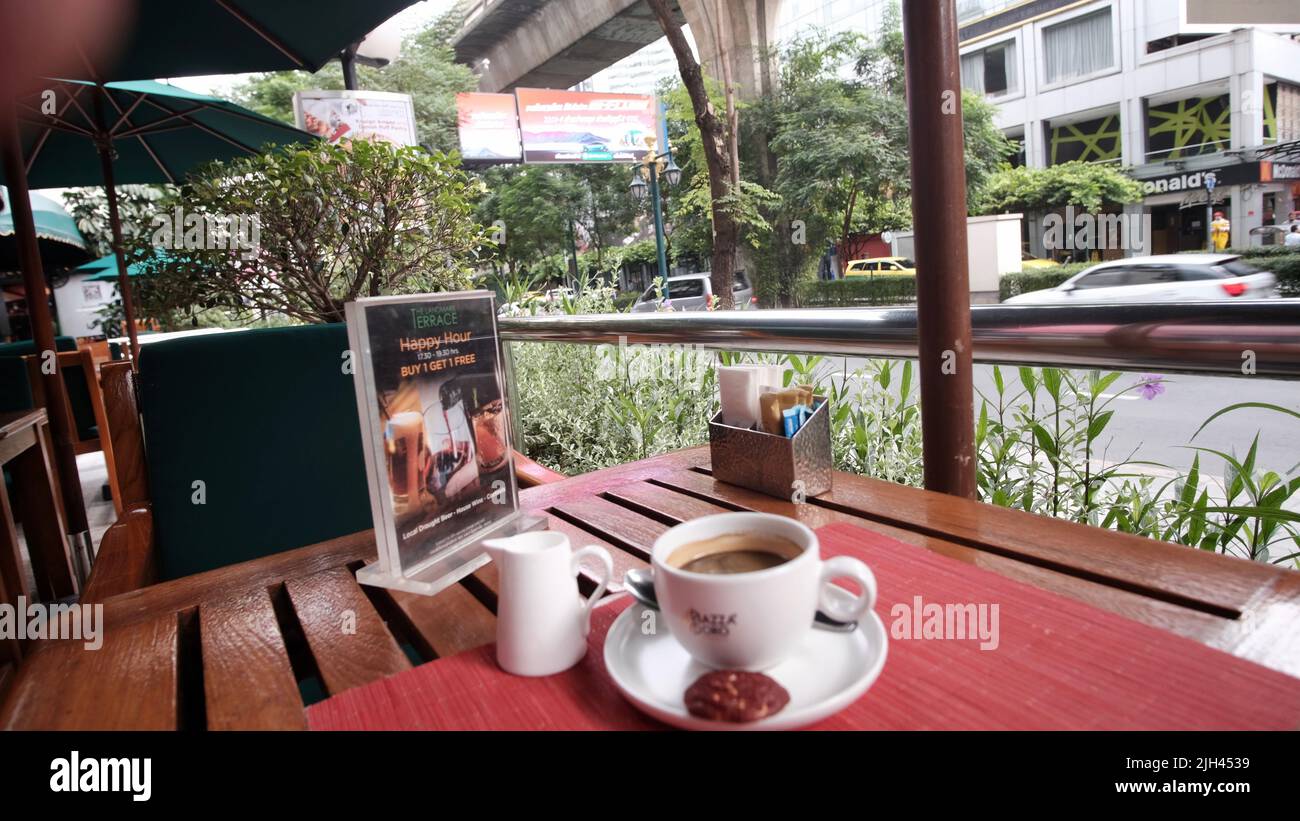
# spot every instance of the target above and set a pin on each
(85, 404)
(128, 553)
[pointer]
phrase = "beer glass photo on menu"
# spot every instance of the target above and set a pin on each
(404, 443)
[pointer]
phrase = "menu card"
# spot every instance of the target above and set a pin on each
(433, 422)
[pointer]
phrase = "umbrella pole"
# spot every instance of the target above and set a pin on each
(933, 72)
(38, 306)
(123, 280)
(104, 145)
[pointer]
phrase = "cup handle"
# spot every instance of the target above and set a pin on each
(839, 567)
(607, 564)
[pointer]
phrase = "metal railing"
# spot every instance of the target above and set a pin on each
(1225, 338)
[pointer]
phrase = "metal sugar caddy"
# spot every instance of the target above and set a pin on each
(780, 466)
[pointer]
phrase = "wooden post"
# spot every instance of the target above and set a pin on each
(38, 307)
(939, 218)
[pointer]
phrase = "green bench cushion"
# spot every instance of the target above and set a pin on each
(28, 346)
(267, 420)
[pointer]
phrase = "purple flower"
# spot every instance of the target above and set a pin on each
(1152, 385)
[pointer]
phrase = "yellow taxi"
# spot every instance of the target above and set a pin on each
(1029, 261)
(881, 266)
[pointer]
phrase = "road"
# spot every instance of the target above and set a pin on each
(1161, 428)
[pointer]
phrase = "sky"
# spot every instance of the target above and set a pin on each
(414, 18)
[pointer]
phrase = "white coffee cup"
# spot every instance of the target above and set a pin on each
(753, 620)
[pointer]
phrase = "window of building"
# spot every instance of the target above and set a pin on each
(1097, 140)
(1078, 47)
(991, 70)
(1187, 128)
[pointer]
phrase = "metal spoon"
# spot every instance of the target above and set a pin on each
(641, 585)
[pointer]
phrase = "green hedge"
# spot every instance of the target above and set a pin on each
(856, 292)
(1037, 279)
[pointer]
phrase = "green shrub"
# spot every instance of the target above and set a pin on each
(1040, 438)
(855, 292)
(1037, 279)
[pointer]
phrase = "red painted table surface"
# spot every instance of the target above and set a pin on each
(1059, 664)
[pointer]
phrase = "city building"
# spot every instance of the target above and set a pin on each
(1139, 84)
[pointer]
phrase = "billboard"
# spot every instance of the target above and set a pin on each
(338, 116)
(585, 126)
(488, 125)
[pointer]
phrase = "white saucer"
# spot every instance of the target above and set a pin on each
(827, 673)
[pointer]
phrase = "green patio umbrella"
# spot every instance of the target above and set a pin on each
(104, 269)
(61, 244)
(185, 38)
(135, 132)
(153, 38)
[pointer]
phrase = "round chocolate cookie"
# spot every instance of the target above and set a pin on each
(735, 695)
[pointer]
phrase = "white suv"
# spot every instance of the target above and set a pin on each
(1166, 278)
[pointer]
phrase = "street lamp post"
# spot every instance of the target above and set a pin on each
(649, 170)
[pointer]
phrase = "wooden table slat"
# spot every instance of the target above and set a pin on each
(613, 523)
(248, 682)
(348, 639)
(1194, 578)
(128, 683)
(449, 623)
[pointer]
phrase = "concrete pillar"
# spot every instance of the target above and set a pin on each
(1247, 213)
(749, 30)
(1246, 93)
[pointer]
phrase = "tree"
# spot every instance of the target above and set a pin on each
(609, 211)
(136, 205)
(839, 141)
(534, 205)
(426, 69)
(318, 227)
(537, 204)
(1089, 186)
(717, 155)
(689, 205)
(842, 149)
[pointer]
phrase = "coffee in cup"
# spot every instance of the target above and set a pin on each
(734, 553)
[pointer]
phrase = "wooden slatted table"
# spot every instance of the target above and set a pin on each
(244, 646)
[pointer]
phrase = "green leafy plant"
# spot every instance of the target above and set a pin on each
(1040, 436)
